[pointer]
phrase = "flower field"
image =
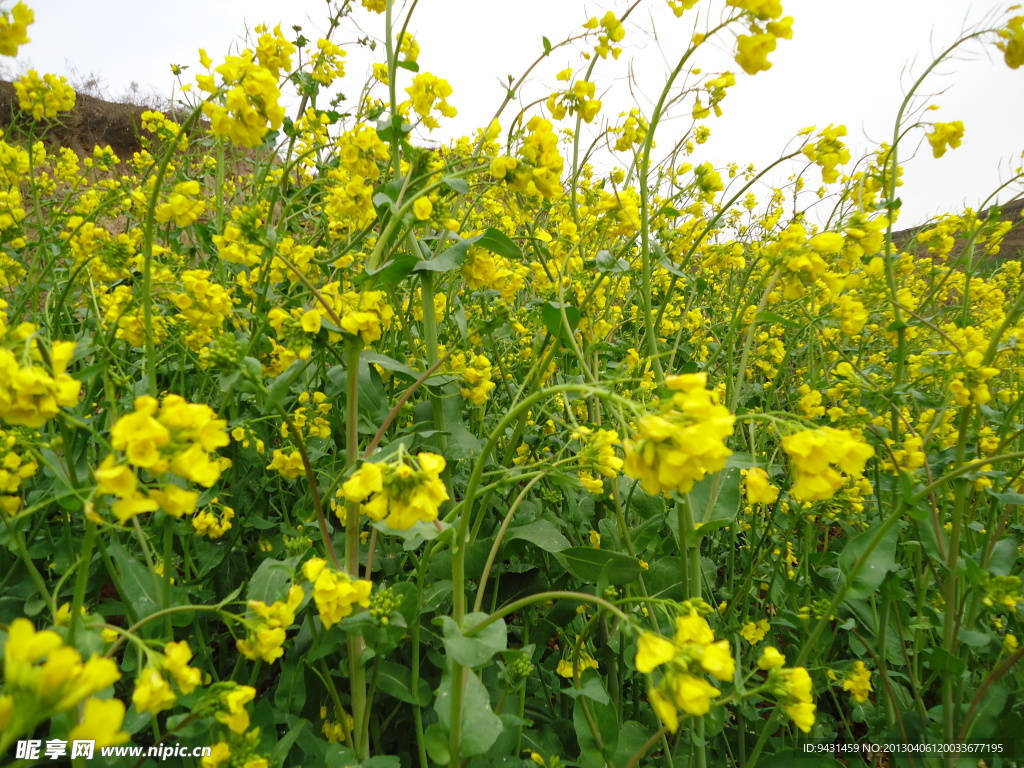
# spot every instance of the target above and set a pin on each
(323, 443)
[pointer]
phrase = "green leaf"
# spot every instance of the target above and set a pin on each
(540, 533)
(269, 581)
(281, 384)
(491, 239)
(632, 737)
(477, 650)
(415, 535)
(456, 184)
(480, 726)
(941, 660)
(592, 689)
(137, 579)
(873, 571)
(608, 263)
(593, 565)
(1004, 557)
(390, 364)
(435, 739)
(412, 66)
(547, 45)
(716, 500)
(772, 317)
(607, 726)
(974, 639)
(551, 312)
(389, 274)
(396, 680)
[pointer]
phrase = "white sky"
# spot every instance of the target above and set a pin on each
(846, 64)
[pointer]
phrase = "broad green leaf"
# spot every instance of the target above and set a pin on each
(270, 580)
(396, 680)
(593, 688)
(773, 317)
(456, 184)
(137, 580)
(435, 739)
(480, 726)
(390, 364)
(594, 565)
(551, 312)
(491, 239)
(716, 500)
(540, 533)
(477, 650)
(873, 571)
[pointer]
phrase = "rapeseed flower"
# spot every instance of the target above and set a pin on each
(676, 448)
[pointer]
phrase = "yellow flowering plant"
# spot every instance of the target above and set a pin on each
(328, 437)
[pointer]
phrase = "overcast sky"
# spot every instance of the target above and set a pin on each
(848, 63)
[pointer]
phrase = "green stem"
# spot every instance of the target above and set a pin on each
(82, 579)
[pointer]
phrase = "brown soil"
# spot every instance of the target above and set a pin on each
(93, 122)
(1012, 246)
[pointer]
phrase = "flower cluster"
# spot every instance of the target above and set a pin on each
(791, 685)
(335, 593)
(683, 661)
(944, 136)
(401, 492)
(183, 206)
(32, 394)
(858, 683)
(577, 100)
(766, 26)
(686, 441)
(251, 99)
(538, 170)
(153, 691)
(171, 435)
(597, 456)
(266, 634)
(44, 97)
(828, 152)
(824, 460)
(14, 28)
(44, 677)
(427, 94)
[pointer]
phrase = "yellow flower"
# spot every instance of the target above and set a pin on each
(752, 52)
(652, 651)
(717, 661)
(152, 692)
(754, 632)
(14, 28)
(236, 718)
(265, 644)
(758, 488)
(178, 655)
(117, 480)
(693, 628)
(676, 449)
(564, 668)
(44, 96)
(101, 721)
(945, 135)
(692, 694)
(422, 208)
(336, 594)
(771, 658)
(664, 709)
(1012, 48)
(858, 683)
(815, 451)
(802, 715)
